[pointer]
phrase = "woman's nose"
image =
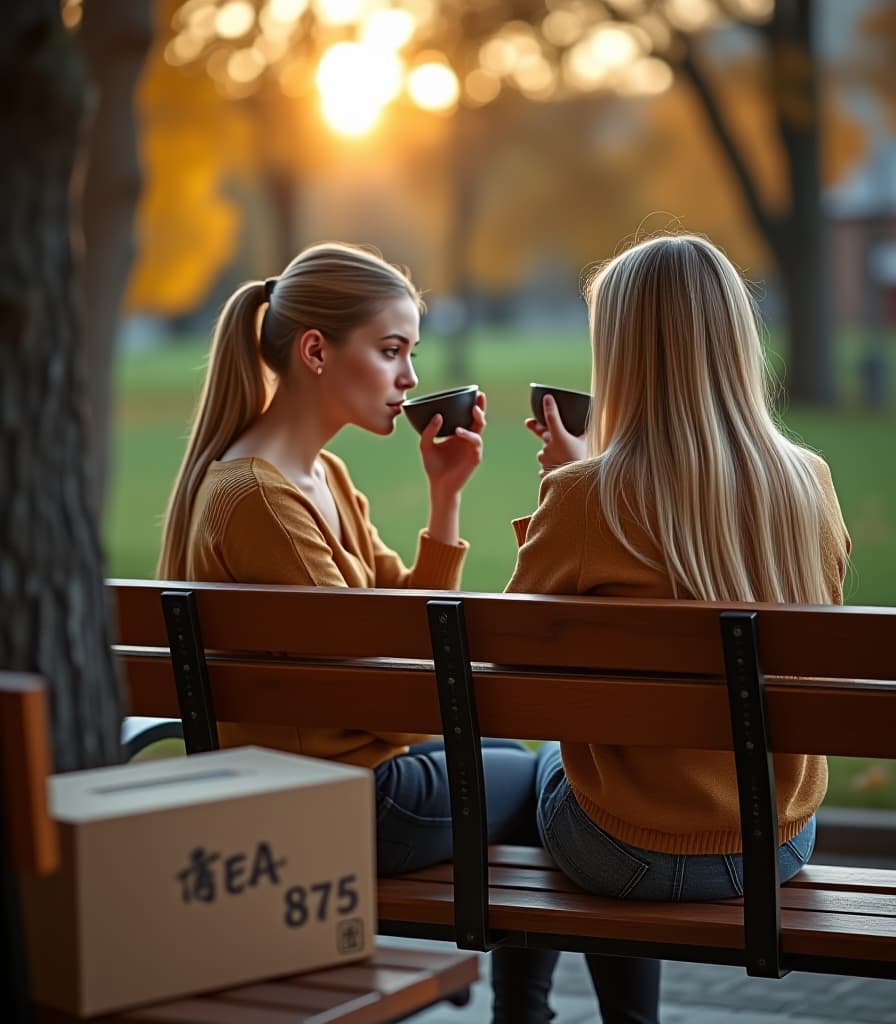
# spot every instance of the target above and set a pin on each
(408, 377)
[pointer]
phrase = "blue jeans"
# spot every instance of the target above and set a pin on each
(604, 865)
(413, 810)
(413, 807)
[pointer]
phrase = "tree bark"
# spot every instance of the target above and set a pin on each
(798, 239)
(802, 245)
(462, 157)
(116, 36)
(53, 618)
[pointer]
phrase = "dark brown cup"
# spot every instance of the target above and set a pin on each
(574, 406)
(456, 407)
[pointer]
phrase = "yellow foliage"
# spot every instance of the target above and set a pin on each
(193, 143)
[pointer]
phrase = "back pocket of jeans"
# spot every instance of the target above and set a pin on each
(590, 856)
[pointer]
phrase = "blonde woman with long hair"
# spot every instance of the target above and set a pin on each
(690, 492)
(259, 499)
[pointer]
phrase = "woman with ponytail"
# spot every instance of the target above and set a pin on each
(259, 499)
(691, 492)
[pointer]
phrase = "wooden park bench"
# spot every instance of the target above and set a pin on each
(395, 982)
(752, 678)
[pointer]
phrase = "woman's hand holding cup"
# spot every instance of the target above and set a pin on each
(559, 446)
(450, 462)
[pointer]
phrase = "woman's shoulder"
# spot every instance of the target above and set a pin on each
(242, 476)
(575, 479)
(248, 485)
(819, 469)
(813, 460)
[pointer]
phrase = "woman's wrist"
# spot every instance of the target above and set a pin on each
(444, 516)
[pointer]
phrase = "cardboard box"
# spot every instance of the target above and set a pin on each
(189, 874)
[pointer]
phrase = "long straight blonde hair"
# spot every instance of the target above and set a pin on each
(682, 425)
(331, 287)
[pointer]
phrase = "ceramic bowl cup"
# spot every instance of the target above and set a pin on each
(574, 406)
(456, 407)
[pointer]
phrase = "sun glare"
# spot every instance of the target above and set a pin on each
(367, 44)
(234, 19)
(338, 12)
(355, 82)
(390, 29)
(349, 115)
(433, 86)
(285, 11)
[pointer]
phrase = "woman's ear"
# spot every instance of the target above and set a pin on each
(310, 347)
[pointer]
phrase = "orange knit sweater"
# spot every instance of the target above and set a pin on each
(251, 525)
(668, 800)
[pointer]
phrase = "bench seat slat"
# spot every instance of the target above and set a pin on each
(515, 628)
(820, 718)
(394, 982)
(805, 931)
(550, 880)
(849, 879)
(815, 876)
(214, 1011)
(360, 978)
(567, 913)
(294, 997)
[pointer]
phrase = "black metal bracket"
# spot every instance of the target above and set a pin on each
(756, 795)
(463, 754)
(194, 693)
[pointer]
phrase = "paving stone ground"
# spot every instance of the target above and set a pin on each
(705, 994)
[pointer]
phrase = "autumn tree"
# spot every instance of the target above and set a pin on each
(552, 52)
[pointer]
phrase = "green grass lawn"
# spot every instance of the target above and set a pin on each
(157, 391)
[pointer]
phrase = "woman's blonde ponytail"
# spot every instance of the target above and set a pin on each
(233, 396)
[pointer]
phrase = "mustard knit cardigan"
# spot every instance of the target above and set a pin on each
(252, 525)
(663, 799)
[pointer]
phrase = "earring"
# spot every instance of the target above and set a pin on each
(320, 370)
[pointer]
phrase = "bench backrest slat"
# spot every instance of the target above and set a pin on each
(805, 717)
(605, 635)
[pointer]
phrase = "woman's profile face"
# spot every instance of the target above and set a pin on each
(365, 378)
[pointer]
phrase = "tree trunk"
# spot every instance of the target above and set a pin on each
(798, 240)
(283, 194)
(462, 155)
(53, 617)
(802, 240)
(116, 37)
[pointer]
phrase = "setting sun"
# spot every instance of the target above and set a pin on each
(355, 82)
